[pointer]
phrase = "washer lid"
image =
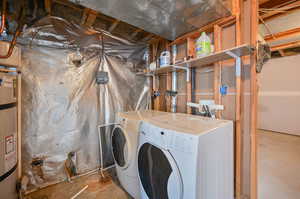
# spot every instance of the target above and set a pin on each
(159, 174)
(120, 147)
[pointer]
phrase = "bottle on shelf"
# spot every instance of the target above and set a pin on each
(203, 45)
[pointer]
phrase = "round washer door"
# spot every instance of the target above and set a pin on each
(159, 174)
(120, 147)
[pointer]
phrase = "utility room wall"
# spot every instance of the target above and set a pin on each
(279, 96)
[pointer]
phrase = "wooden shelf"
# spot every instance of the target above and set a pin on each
(219, 56)
(238, 51)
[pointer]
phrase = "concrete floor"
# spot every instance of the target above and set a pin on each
(95, 190)
(278, 166)
(278, 171)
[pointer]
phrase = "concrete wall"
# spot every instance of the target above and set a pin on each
(279, 96)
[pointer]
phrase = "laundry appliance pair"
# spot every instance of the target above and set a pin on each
(163, 155)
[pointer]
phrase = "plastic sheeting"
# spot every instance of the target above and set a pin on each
(167, 18)
(63, 105)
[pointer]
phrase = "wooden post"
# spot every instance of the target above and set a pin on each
(156, 102)
(191, 53)
(253, 100)
(238, 105)
(217, 67)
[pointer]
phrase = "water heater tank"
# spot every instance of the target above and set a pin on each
(8, 136)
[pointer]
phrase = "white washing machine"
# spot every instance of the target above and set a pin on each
(186, 157)
(124, 139)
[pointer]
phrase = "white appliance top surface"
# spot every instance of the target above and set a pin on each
(141, 115)
(186, 123)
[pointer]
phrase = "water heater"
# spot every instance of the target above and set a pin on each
(8, 136)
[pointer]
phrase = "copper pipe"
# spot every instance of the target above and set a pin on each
(12, 45)
(16, 35)
(3, 16)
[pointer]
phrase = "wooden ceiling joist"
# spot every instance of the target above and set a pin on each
(282, 53)
(293, 44)
(114, 25)
(280, 10)
(283, 35)
(88, 17)
(137, 31)
(276, 3)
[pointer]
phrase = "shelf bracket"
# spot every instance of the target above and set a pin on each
(187, 70)
(238, 63)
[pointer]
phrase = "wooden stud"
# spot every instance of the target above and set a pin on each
(169, 87)
(238, 106)
(155, 80)
(191, 53)
(48, 6)
(253, 101)
(217, 67)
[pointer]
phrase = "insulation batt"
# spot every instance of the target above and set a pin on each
(62, 104)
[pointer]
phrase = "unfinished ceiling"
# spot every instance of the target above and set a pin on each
(280, 25)
(166, 18)
(35, 10)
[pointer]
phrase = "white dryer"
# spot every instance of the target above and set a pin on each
(186, 157)
(124, 140)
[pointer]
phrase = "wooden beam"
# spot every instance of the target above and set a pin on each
(283, 35)
(238, 105)
(217, 67)
(285, 46)
(134, 34)
(191, 53)
(88, 17)
(253, 102)
(276, 3)
(281, 10)
(148, 37)
(114, 25)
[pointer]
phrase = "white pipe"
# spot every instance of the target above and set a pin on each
(174, 88)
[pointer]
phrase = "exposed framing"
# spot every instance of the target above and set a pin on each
(216, 27)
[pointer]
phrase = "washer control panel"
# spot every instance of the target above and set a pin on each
(169, 139)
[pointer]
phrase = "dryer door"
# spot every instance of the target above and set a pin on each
(159, 174)
(120, 147)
